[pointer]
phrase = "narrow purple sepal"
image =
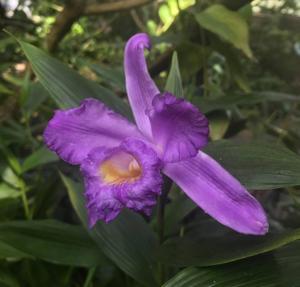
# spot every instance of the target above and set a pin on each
(219, 194)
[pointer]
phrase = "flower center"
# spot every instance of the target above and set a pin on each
(120, 168)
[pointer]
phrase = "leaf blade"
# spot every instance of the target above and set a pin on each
(118, 240)
(215, 250)
(174, 82)
(257, 165)
(39, 157)
(227, 24)
(51, 240)
(66, 87)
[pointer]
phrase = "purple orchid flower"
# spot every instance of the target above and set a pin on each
(122, 162)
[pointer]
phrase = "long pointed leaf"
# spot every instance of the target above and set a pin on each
(128, 241)
(67, 87)
(258, 165)
(280, 269)
(50, 240)
(174, 83)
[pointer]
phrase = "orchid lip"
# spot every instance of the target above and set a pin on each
(128, 175)
(120, 168)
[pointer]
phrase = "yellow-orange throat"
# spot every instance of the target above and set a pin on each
(120, 169)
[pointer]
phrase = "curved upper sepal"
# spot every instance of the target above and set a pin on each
(141, 89)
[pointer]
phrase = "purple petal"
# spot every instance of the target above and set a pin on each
(73, 133)
(179, 129)
(219, 194)
(124, 176)
(140, 87)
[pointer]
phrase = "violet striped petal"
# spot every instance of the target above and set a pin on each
(73, 133)
(179, 129)
(219, 194)
(140, 87)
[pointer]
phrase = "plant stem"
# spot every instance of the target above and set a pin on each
(24, 199)
(160, 220)
(89, 277)
(161, 208)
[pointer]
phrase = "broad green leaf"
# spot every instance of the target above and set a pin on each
(218, 125)
(174, 84)
(227, 24)
(289, 261)
(246, 12)
(52, 241)
(65, 86)
(192, 58)
(10, 177)
(206, 250)
(9, 207)
(39, 157)
(7, 279)
(176, 211)
(24, 89)
(37, 94)
(128, 241)
(264, 274)
(75, 192)
(7, 251)
(13, 132)
(280, 269)
(233, 100)
(258, 165)
(114, 76)
(11, 159)
(7, 191)
(5, 90)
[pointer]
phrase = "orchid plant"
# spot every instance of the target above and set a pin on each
(122, 163)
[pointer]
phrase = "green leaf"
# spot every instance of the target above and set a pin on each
(176, 211)
(192, 57)
(174, 83)
(37, 94)
(218, 125)
(7, 191)
(39, 157)
(67, 87)
(289, 261)
(5, 90)
(128, 241)
(275, 270)
(10, 177)
(232, 100)
(130, 244)
(7, 251)
(264, 274)
(227, 24)
(114, 76)
(7, 279)
(257, 165)
(52, 241)
(75, 192)
(11, 159)
(205, 250)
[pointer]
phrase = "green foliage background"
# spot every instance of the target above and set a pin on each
(238, 61)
